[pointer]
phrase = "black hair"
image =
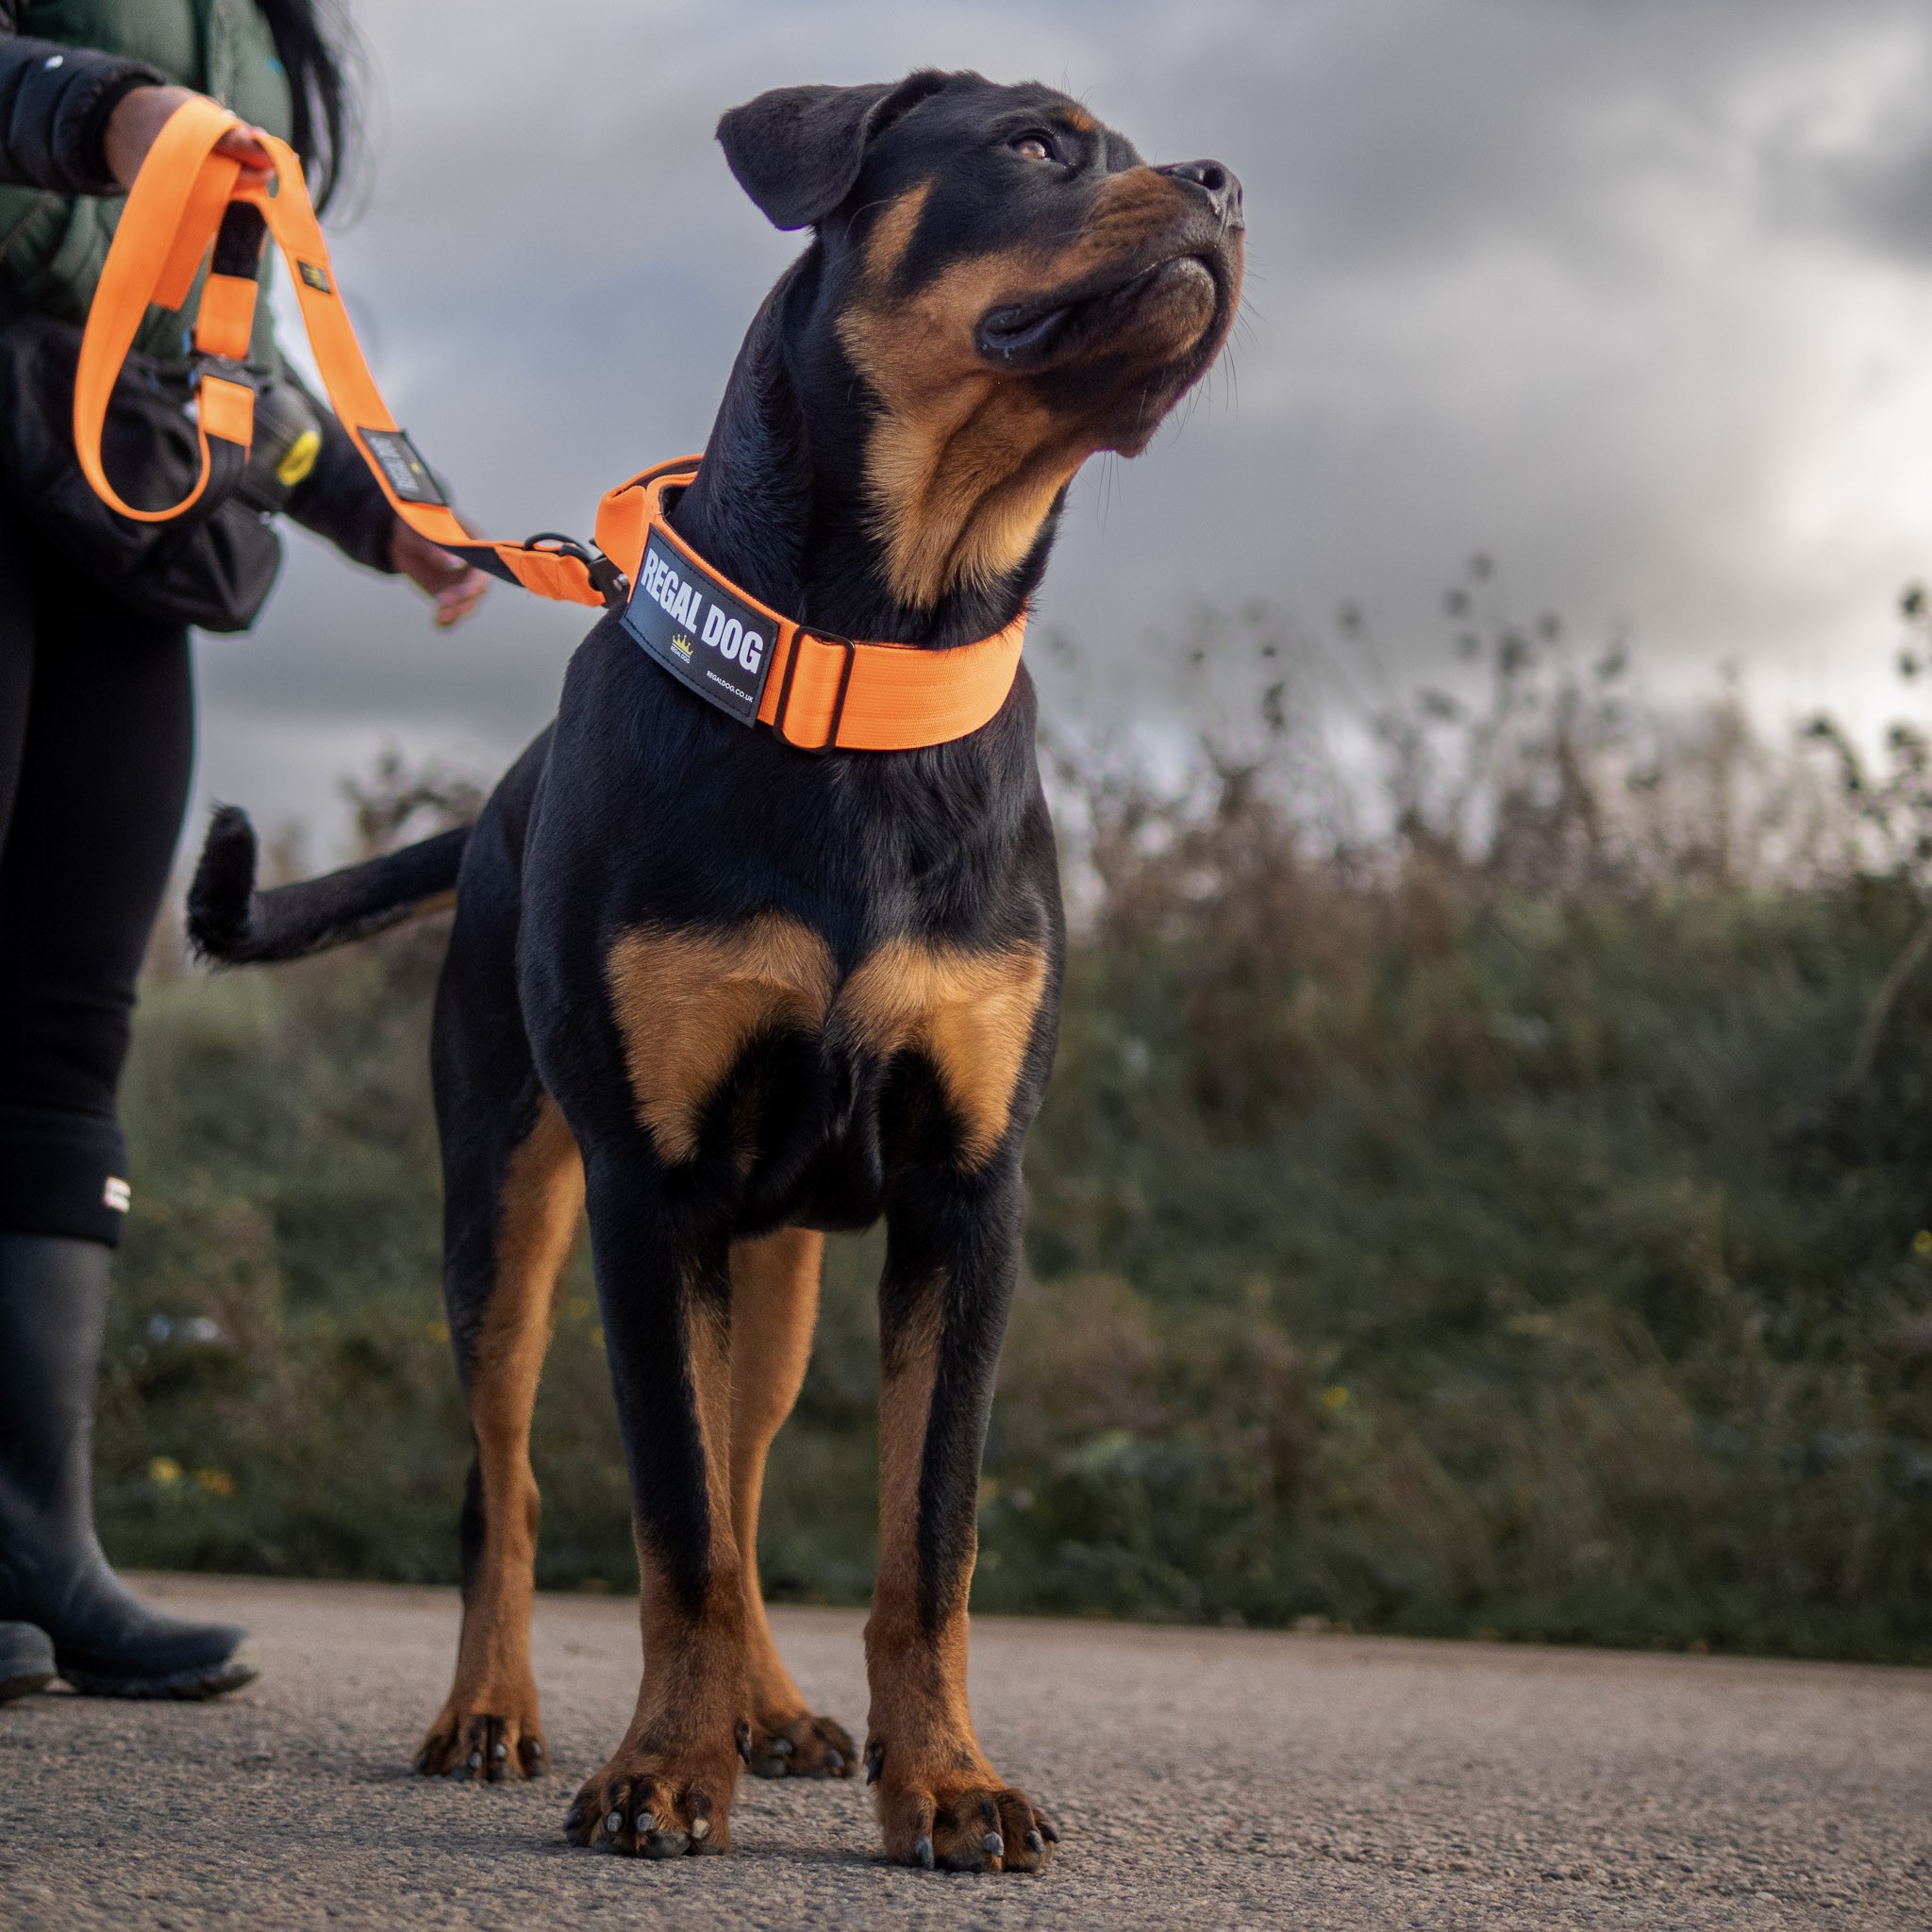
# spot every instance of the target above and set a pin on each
(316, 44)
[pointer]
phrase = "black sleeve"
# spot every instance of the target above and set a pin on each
(54, 107)
(339, 499)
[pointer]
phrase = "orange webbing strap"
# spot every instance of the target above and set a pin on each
(890, 697)
(176, 209)
(824, 692)
(172, 214)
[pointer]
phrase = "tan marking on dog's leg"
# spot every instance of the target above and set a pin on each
(491, 1725)
(670, 1782)
(940, 1801)
(970, 1013)
(775, 1303)
(687, 1003)
(774, 1306)
(918, 1674)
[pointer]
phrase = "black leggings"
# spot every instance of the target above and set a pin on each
(96, 743)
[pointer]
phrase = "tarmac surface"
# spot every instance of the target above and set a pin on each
(1216, 1778)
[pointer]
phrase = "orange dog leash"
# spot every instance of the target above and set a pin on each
(818, 692)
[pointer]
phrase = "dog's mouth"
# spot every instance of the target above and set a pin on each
(1185, 291)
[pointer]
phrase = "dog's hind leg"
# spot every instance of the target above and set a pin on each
(775, 1304)
(513, 1196)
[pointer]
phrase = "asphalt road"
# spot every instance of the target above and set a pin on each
(1211, 1779)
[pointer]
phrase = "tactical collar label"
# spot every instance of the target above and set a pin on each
(708, 639)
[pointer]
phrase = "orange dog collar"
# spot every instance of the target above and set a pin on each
(818, 692)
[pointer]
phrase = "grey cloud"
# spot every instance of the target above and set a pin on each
(1625, 293)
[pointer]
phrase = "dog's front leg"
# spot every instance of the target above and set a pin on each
(952, 1259)
(774, 1301)
(663, 1284)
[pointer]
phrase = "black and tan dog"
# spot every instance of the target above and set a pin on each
(728, 995)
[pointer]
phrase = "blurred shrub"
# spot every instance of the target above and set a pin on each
(1491, 1201)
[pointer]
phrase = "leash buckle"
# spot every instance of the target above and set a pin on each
(205, 362)
(831, 737)
(610, 582)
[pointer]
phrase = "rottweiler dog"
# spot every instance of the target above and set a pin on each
(728, 995)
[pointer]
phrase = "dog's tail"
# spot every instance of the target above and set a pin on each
(232, 924)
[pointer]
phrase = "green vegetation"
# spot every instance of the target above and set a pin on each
(1508, 1220)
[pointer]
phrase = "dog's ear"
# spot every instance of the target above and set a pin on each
(797, 150)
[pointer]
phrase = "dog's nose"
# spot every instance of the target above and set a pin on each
(1217, 181)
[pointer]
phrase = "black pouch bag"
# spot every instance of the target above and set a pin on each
(213, 567)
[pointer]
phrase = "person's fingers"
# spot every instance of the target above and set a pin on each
(141, 114)
(246, 145)
(456, 584)
(455, 603)
(240, 144)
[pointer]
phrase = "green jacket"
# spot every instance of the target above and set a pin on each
(53, 245)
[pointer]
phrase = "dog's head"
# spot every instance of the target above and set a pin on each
(1013, 287)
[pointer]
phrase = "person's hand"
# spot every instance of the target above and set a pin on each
(458, 587)
(141, 114)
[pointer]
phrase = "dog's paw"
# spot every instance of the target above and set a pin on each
(653, 1805)
(483, 1747)
(800, 1746)
(966, 1821)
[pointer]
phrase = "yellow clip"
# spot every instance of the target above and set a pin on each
(299, 459)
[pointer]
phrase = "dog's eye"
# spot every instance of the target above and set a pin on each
(1032, 147)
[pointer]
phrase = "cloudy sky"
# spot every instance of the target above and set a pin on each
(1635, 294)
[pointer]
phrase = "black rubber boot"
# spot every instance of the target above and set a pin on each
(26, 1660)
(107, 1643)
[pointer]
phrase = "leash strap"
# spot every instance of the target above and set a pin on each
(187, 198)
(818, 692)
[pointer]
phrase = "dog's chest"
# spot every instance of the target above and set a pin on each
(694, 1009)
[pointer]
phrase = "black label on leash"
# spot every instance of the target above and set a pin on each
(704, 636)
(407, 472)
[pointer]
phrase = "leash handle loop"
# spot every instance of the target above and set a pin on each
(173, 208)
(178, 207)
